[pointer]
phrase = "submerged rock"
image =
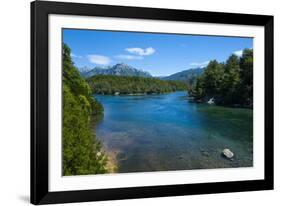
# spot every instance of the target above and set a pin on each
(227, 153)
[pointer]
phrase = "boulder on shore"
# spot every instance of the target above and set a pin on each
(211, 101)
(227, 153)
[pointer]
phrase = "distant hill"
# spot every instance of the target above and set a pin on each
(116, 70)
(186, 76)
(115, 85)
(84, 70)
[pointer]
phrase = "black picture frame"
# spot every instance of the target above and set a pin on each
(39, 102)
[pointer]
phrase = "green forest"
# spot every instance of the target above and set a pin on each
(229, 83)
(82, 152)
(109, 84)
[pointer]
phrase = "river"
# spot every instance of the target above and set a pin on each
(168, 132)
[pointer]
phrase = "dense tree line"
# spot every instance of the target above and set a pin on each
(109, 84)
(229, 83)
(82, 152)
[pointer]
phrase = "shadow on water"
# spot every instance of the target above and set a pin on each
(167, 132)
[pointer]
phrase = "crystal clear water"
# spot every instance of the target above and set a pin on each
(167, 132)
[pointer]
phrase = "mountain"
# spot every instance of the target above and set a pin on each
(116, 70)
(186, 75)
(84, 70)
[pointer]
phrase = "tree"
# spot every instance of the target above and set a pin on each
(199, 91)
(230, 83)
(82, 152)
(231, 80)
(246, 73)
(212, 79)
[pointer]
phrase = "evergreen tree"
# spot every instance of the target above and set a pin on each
(231, 80)
(230, 83)
(82, 152)
(212, 77)
(246, 73)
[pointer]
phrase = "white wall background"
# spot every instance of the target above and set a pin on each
(14, 102)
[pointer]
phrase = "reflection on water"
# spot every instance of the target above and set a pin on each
(167, 132)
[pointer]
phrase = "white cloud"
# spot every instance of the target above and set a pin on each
(128, 57)
(75, 56)
(238, 53)
(199, 64)
(99, 59)
(141, 52)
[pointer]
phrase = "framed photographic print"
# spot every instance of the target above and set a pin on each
(131, 102)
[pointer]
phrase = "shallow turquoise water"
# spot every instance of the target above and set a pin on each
(167, 132)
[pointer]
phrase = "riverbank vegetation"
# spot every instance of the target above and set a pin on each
(228, 83)
(109, 84)
(82, 152)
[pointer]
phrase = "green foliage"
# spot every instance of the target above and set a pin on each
(77, 84)
(199, 90)
(212, 78)
(230, 83)
(108, 84)
(246, 87)
(82, 152)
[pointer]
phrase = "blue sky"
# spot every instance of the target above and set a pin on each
(159, 54)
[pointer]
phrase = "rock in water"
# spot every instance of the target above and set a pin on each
(227, 153)
(211, 101)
